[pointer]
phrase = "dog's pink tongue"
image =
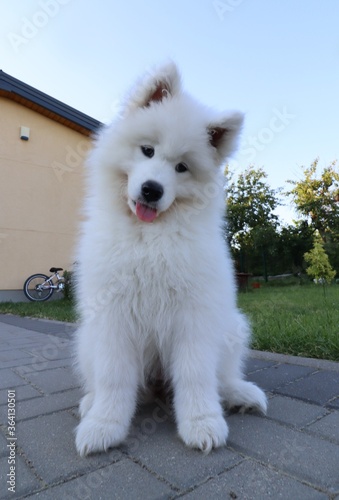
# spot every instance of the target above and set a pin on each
(145, 213)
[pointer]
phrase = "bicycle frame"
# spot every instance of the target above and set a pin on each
(46, 285)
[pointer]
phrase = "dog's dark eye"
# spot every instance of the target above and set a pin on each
(148, 151)
(181, 167)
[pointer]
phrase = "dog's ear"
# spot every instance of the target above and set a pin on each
(223, 134)
(159, 84)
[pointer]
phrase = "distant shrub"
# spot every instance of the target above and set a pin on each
(319, 265)
(69, 291)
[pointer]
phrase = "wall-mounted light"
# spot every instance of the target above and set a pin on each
(24, 133)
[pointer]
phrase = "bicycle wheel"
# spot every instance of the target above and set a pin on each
(33, 290)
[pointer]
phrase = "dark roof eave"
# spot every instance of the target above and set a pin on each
(13, 86)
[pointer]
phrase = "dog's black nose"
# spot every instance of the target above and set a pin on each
(152, 191)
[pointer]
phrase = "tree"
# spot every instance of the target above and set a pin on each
(294, 241)
(319, 264)
(316, 198)
(250, 203)
(251, 223)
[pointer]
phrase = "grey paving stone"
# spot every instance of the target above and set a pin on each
(20, 343)
(250, 480)
(9, 379)
(43, 405)
(49, 343)
(17, 362)
(48, 441)
(316, 364)
(123, 480)
(10, 332)
(7, 335)
(55, 380)
(304, 456)
(13, 354)
(43, 365)
(334, 403)
(52, 351)
(21, 393)
(37, 325)
(279, 375)
(253, 365)
(293, 411)
(39, 339)
(153, 453)
(327, 427)
(5, 345)
(32, 342)
(317, 388)
(156, 445)
(25, 481)
(3, 445)
(13, 334)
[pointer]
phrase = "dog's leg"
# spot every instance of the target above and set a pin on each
(112, 404)
(194, 374)
(84, 368)
(234, 390)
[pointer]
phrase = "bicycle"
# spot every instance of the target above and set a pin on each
(40, 287)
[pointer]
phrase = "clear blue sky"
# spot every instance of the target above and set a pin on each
(278, 61)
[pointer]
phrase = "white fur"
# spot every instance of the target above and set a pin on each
(159, 292)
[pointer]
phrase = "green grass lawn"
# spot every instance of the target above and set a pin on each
(60, 310)
(298, 320)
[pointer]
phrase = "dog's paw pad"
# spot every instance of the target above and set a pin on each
(204, 433)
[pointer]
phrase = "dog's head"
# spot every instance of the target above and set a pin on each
(167, 145)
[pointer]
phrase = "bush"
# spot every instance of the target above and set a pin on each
(319, 265)
(69, 291)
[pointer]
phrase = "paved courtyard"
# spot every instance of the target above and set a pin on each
(293, 453)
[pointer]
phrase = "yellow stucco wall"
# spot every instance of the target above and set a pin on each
(41, 182)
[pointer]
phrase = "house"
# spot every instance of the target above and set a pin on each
(42, 149)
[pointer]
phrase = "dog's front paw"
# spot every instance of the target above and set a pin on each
(256, 399)
(247, 396)
(93, 435)
(204, 432)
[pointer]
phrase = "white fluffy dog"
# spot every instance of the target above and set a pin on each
(156, 286)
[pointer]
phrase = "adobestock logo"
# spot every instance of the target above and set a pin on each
(277, 124)
(40, 19)
(74, 158)
(224, 7)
